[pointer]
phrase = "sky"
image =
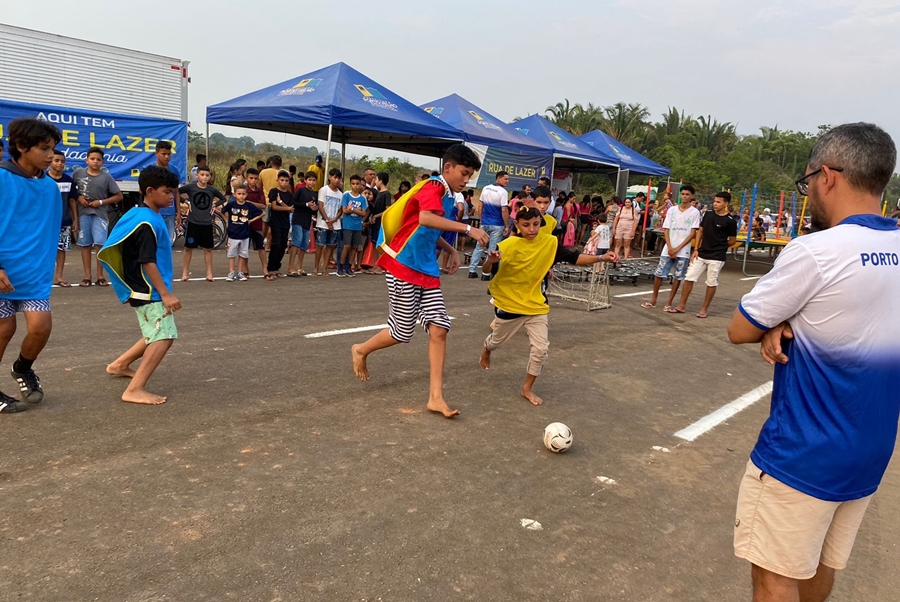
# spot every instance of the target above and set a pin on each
(790, 63)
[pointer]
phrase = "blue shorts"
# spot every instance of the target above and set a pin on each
(92, 230)
(10, 307)
(300, 238)
(327, 238)
(666, 263)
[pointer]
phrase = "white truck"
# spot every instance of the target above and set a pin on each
(121, 100)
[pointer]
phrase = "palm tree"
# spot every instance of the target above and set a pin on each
(561, 114)
(719, 138)
(626, 123)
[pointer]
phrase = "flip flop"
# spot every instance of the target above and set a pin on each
(648, 306)
(673, 310)
(302, 273)
(280, 275)
(86, 282)
(269, 277)
(102, 282)
(63, 284)
(702, 316)
(293, 275)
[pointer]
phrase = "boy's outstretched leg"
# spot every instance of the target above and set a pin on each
(528, 394)
(437, 351)
(537, 329)
(382, 340)
(153, 354)
(121, 366)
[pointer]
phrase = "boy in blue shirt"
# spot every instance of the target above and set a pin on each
(138, 255)
(69, 193)
(240, 214)
(30, 215)
(354, 208)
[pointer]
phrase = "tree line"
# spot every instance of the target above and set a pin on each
(702, 150)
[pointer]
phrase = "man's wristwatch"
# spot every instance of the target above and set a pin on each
(468, 229)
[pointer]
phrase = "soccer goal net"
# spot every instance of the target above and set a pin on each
(583, 285)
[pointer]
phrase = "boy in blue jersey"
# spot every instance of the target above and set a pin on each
(832, 427)
(30, 215)
(354, 207)
(410, 231)
(138, 256)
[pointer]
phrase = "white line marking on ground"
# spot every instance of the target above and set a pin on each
(334, 333)
(710, 421)
(752, 278)
(662, 290)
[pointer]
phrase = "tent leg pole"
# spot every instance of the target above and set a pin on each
(207, 139)
(343, 157)
(328, 151)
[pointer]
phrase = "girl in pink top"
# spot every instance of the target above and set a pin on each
(624, 227)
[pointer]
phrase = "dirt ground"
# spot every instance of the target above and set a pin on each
(273, 474)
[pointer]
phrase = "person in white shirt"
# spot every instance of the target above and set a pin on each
(826, 317)
(328, 222)
(679, 228)
(494, 220)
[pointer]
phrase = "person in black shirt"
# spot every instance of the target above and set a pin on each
(306, 204)
(383, 200)
(281, 200)
(717, 232)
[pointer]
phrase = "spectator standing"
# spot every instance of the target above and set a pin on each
(69, 193)
(257, 197)
(97, 190)
(281, 203)
(717, 232)
(494, 220)
(199, 232)
(319, 170)
(353, 209)
(172, 214)
(826, 317)
(305, 206)
(240, 214)
(328, 223)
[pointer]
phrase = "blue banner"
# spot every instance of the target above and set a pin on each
(128, 141)
(523, 168)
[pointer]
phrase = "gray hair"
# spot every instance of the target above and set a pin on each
(865, 152)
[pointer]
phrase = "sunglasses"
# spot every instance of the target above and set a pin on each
(803, 183)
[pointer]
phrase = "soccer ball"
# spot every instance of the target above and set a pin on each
(557, 437)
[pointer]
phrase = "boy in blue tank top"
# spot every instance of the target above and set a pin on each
(30, 214)
(138, 256)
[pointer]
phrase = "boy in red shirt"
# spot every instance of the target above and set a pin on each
(410, 232)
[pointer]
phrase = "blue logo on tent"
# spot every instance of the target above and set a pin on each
(302, 87)
(375, 98)
(436, 111)
(524, 131)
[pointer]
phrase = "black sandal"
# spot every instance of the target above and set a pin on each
(86, 282)
(102, 282)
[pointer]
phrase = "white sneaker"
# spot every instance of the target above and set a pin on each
(241, 276)
(229, 277)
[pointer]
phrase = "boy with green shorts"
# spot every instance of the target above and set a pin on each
(138, 255)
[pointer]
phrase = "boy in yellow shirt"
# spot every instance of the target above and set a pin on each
(519, 290)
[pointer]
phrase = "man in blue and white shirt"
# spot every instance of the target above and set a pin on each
(832, 426)
(494, 220)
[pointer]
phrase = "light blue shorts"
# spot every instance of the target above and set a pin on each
(92, 230)
(300, 238)
(666, 263)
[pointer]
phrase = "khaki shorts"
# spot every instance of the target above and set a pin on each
(157, 324)
(788, 532)
(712, 267)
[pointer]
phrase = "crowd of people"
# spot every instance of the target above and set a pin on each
(824, 313)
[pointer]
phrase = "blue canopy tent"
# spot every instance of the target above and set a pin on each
(500, 146)
(628, 158)
(569, 152)
(340, 104)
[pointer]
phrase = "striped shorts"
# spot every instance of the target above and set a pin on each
(10, 307)
(411, 304)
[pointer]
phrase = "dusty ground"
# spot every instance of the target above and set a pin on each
(272, 474)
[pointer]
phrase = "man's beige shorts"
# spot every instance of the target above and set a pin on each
(788, 532)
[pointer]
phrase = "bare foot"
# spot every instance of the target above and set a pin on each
(209, 278)
(531, 397)
(116, 370)
(184, 278)
(359, 363)
(485, 359)
(439, 406)
(143, 397)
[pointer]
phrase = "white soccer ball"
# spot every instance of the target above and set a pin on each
(557, 437)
